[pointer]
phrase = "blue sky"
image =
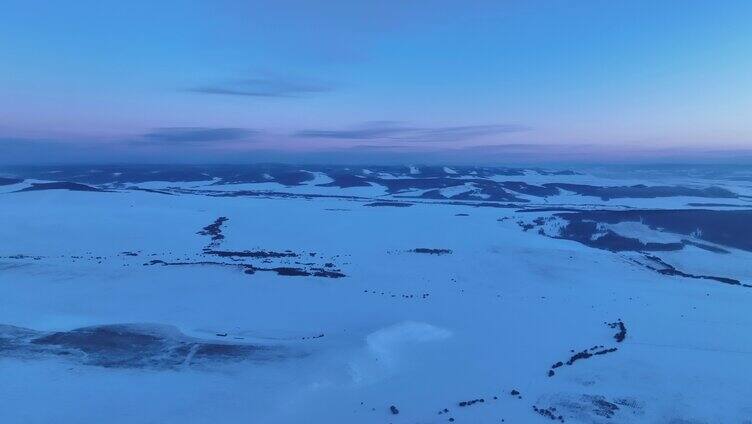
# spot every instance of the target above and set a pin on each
(484, 80)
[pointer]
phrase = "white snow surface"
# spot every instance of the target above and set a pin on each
(421, 332)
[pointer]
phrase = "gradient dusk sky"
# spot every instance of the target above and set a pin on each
(502, 81)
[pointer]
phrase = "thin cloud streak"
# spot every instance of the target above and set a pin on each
(264, 87)
(198, 134)
(397, 131)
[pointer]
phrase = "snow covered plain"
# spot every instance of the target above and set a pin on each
(378, 295)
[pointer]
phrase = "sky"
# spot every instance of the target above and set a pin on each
(375, 81)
